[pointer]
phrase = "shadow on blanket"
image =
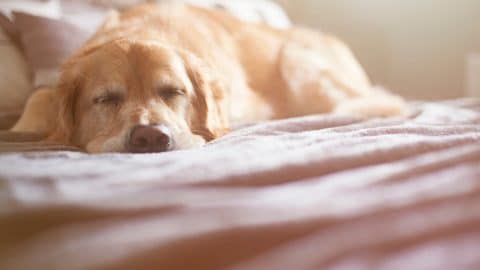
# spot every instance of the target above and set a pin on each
(26, 142)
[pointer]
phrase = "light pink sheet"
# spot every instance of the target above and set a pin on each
(318, 192)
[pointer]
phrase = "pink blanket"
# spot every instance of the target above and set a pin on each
(317, 192)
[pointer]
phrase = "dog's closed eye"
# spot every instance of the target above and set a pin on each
(109, 98)
(170, 92)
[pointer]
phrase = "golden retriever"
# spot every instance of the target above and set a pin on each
(164, 77)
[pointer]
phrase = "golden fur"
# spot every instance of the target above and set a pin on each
(196, 71)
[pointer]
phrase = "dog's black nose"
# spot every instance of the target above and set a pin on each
(150, 139)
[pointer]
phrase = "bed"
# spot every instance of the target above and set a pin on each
(315, 192)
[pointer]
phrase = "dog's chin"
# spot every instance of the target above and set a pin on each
(105, 147)
(118, 145)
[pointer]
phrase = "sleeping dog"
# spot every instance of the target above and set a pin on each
(164, 77)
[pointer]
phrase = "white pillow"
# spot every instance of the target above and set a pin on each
(15, 85)
(265, 11)
(45, 8)
(256, 11)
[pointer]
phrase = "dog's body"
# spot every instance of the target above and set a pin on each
(166, 77)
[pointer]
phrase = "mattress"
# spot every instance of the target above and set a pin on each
(314, 192)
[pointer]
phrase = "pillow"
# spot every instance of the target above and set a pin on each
(256, 11)
(44, 8)
(249, 10)
(47, 43)
(47, 38)
(15, 85)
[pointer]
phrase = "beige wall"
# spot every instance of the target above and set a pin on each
(417, 48)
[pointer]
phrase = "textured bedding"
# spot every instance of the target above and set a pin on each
(316, 192)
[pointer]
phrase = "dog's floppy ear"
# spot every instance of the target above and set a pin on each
(50, 112)
(40, 113)
(66, 94)
(208, 116)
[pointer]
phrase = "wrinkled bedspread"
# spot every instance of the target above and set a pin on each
(316, 192)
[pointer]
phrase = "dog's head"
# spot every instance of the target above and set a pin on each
(141, 96)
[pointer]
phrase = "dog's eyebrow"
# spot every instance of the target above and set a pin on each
(166, 84)
(112, 90)
(169, 87)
